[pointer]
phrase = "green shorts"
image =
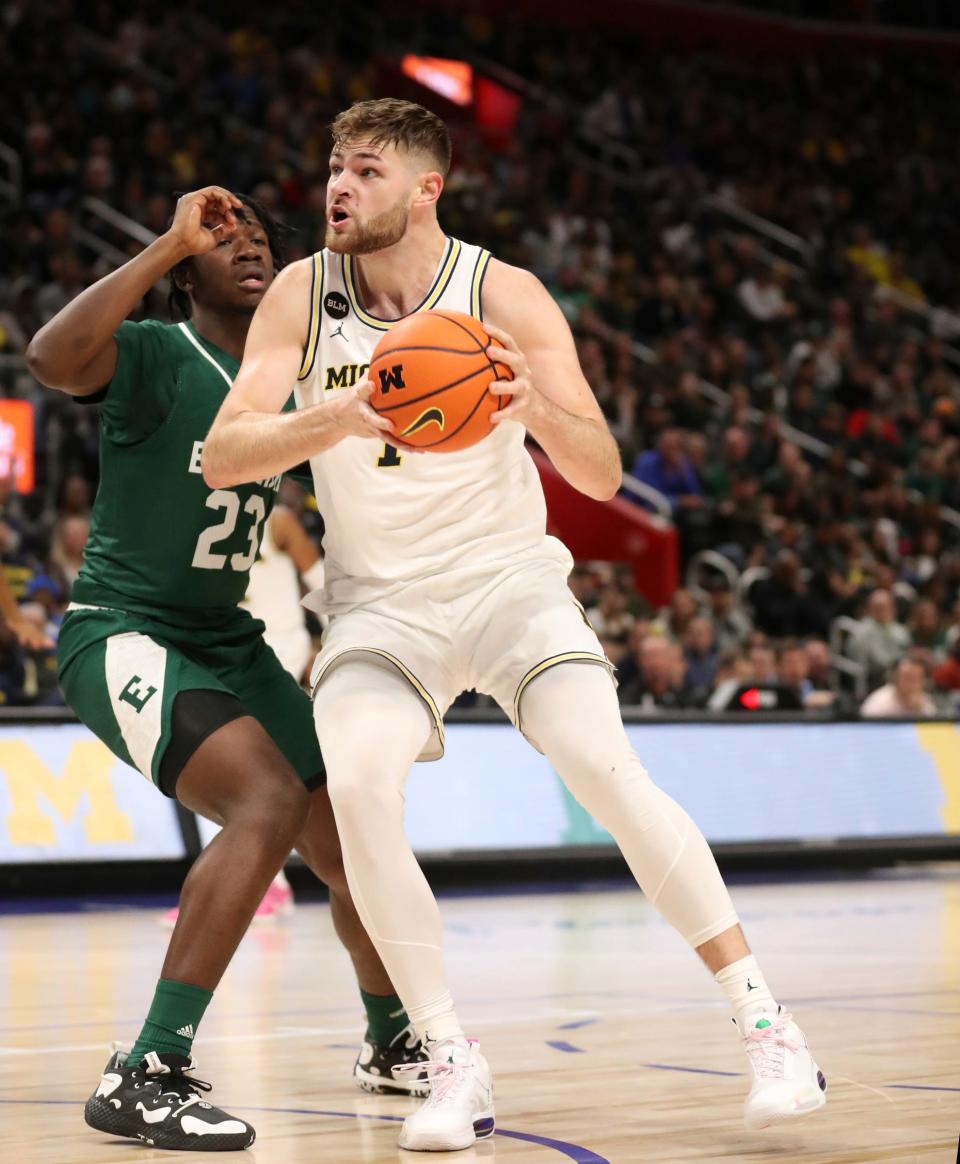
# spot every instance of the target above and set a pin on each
(122, 672)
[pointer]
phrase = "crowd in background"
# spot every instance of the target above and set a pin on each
(663, 293)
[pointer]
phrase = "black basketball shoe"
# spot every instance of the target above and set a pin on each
(157, 1102)
(373, 1070)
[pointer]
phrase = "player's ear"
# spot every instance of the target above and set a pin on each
(429, 188)
(182, 275)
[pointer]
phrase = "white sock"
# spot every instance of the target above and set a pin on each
(746, 991)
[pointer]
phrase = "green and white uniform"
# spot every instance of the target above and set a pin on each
(154, 610)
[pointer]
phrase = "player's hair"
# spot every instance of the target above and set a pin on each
(390, 121)
(179, 301)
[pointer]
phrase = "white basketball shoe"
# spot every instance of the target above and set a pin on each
(459, 1109)
(786, 1080)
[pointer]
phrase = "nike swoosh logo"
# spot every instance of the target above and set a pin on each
(153, 1117)
(430, 416)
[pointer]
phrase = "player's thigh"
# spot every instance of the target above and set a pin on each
(395, 644)
(236, 773)
(124, 686)
(279, 704)
(529, 622)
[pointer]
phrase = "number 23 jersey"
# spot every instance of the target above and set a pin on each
(392, 517)
(161, 541)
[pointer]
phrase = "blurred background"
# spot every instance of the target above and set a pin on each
(747, 214)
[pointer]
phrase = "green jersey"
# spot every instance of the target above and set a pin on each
(161, 541)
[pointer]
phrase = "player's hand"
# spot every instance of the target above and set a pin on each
(519, 398)
(30, 636)
(203, 218)
(353, 415)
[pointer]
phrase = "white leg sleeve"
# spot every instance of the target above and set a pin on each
(372, 726)
(571, 711)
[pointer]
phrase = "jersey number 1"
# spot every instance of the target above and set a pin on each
(389, 458)
(203, 556)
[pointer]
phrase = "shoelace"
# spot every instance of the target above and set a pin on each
(766, 1045)
(444, 1078)
(176, 1081)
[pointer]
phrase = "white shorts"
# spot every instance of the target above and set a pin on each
(292, 647)
(493, 635)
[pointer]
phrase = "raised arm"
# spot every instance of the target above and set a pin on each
(251, 438)
(76, 351)
(548, 394)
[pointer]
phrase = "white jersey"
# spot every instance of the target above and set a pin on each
(393, 517)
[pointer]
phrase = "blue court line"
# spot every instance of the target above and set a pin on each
(690, 1070)
(574, 1152)
(577, 1025)
(918, 1087)
(560, 1045)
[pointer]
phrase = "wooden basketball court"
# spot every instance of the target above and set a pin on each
(608, 1040)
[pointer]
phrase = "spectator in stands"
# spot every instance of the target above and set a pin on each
(668, 470)
(946, 676)
(782, 607)
(702, 660)
(40, 684)
(731, 624)
(734, 453)
(905, 695)
(660, 677)
(763, 298)
(926, 629)
(763, 664)
(611, 617)
(66, 548)
(819, 665)
(793, 673)
(879, 642)
(674, 620)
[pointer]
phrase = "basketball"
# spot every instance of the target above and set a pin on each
(431, 375)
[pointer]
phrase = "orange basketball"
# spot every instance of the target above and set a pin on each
(430, 376)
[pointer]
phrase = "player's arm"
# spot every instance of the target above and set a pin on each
(251, 438)
(75, 351)
(548, 394)
(291, 538)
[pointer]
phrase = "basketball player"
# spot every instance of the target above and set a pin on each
(440, 577)
(273, 596)
(157, 659)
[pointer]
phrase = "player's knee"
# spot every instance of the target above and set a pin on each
(361, 792)
(276, 809)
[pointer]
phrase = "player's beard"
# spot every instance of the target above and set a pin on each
(380, 232)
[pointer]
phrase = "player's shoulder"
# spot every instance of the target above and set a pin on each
(295, 277)
(505, 276)
(154, 330)
(508, 290)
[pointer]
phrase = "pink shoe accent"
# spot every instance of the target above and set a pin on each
(277, 902)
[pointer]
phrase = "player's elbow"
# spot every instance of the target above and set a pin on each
(606, 487)
(42, 365)
(214, 474)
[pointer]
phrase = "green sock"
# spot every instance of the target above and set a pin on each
(172, 1022)
(386, 1017)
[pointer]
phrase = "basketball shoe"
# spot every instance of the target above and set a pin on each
(374, 1068)
(157, 1102)
(786, 1080)
(459, 1110)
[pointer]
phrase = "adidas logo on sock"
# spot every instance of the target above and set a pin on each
(186, 1031)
